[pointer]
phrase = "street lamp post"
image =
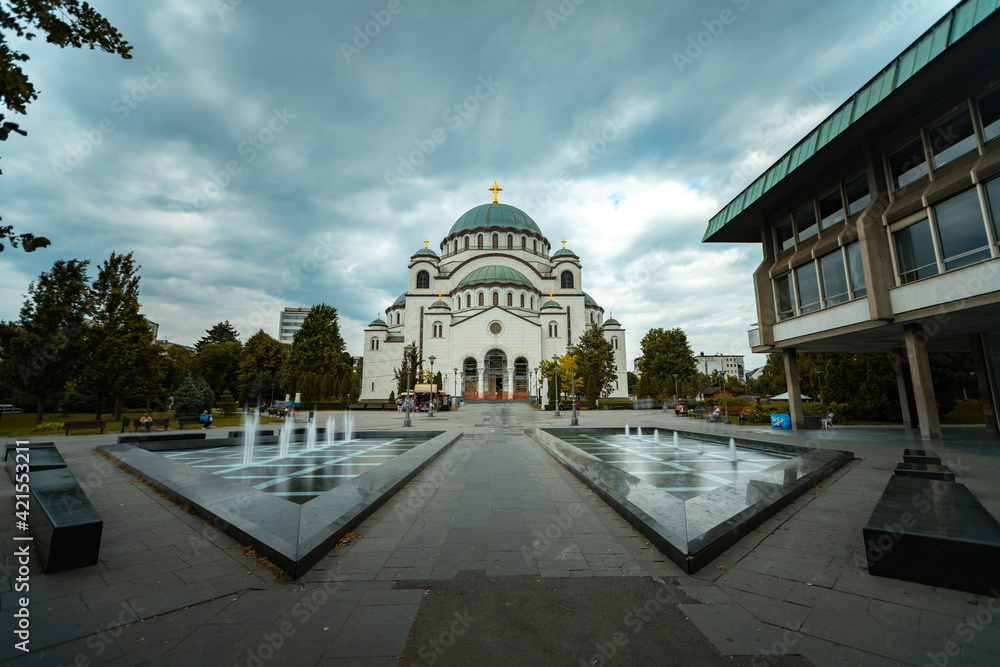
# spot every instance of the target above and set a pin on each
(408, 351)
(676, 375)
(819, 378)
(572, 370)
(538, 388)
(555, 374)
(430, 408)
(725, 399)
(456, 385)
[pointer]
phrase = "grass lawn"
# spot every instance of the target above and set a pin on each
(965, 412)
(23, 425)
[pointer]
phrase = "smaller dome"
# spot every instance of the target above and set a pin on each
(612, 322)
(425, 252)
(440, 304)
(565, 252)
(589, 301)
(377, 322)
(551, 304)
(487, 275)
(401, 301)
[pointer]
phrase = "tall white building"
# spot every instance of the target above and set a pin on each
(290, 322)
(489, 308)
(730, 364)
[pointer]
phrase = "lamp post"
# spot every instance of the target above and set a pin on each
(408, 351)
(725, 399)
(676, 375)
(430, 408)
(555, 374)
(572, 371)
(819, 378)
(538, 388)
(271, 404)
(456, 385)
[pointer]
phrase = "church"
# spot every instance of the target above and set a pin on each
(488, 307)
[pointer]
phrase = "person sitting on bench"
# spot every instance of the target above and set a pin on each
(716, 414)
(146, 421)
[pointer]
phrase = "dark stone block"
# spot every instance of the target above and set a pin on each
(65, 526)
(40, 456)
(921, 456)
(812, 423)
(933, 532)
(239, 434)
(158, 437)
(925, 471)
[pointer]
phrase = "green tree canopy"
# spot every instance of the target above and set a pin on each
(223, 332)
(48, 348)
(409, 369)
(317, 346)
(261, 366)
(595, 359)
(218, 364)
(665, 352)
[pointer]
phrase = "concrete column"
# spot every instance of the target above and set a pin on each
(907, 401)
(981, 364)
(509, 381)
(923, 387)
(794, 393)
(480, 381)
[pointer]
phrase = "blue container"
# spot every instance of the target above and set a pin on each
(781, 421)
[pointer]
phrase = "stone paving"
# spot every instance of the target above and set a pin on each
(495, 554)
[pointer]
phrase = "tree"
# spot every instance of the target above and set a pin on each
(665, 352)
(219, 364)
(223, 332)
(46, 349)
(409, 369)
(227, 404)
(260, 366)
(595, 359)
(633, 380)
(65, 23)
(189, 399)
(120, 340)
(317, 346)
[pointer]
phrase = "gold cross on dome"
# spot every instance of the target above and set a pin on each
(564, 244)
(495, 190)
(550, 296)
(425, 244)
(439, 296)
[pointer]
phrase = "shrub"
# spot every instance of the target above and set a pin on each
(227, 404)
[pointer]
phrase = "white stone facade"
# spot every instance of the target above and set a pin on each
(494, 320)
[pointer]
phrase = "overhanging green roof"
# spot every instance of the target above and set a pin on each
(487, 275)
(955, 24)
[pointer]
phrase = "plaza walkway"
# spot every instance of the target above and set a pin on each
(495, 554)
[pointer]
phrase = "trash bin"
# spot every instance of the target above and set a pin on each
(781, 421)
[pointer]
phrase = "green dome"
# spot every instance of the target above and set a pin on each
(401, 301)
(425, 252)
(551, 304)
(495, 216)
(377, 322)
(612, 322)
(564, 252)
(440, 304)
(495, 274)
(589, 300)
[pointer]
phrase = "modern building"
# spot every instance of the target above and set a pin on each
(290, 322)
(488, 309)
(880, 229)
(730, 364)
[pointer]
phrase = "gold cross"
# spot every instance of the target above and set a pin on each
(495, 190)
(425, 244)
(439, 296)
(550, 296)
(564, 244)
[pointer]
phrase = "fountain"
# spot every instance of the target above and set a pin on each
(677, 439)
(330, 432)
(348, 427)
(285, 438)
(626, 430)
(732, 449)
(311, 436)
(656, 436)
(638, 431)
(249, 437)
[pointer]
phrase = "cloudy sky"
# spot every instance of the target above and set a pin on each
(260, 155)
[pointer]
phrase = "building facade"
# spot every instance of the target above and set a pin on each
(881, 229)
(289, 322)
(489, 308)
(730, 364)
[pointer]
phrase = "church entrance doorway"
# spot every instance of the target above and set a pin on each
(471, 379)
(496, 374)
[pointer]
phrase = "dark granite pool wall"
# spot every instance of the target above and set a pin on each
(293, 537)
(664, 519)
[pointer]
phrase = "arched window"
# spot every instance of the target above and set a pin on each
(496, 241)
(423, 280)
(524, 243)
(374, 343)
(614, 342)
(496, 299)
(522, 301)
(481, 302)
(534, 245)
(397, 318)
(437, 330)
(510, 300)
(553, 330)
(510, 241)
(480, 241)
(466, 242)
(454, 246)
(567, 280)
(468, 301)
(532, 300)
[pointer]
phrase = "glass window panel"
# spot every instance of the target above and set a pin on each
(831, 209)
(856, 270)
(993, 201)
(805, 223)
(831, 267)
(908, 164)
(989, 113)
(857, 194)
(783, 236)
(808, 288)
(952, 139)
(915, 252)
(784, 295)
(962, 230)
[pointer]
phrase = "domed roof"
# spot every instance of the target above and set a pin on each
(440, 304)
(377, 322)
(425, 252)
(495, 274)
(551, 304)
(400, 301)
(564, 252)
(495, 216)
(589, 301)
(612, 322)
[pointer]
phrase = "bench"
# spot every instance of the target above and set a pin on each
(157, 421)
(65, 527)
(933, 532)
(356, 406)
(90, 424)
(188, 421)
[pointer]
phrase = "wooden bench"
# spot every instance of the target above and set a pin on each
(356, 406)
(157, 421)
(187, 421)
(65, 526)
(91, 424)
